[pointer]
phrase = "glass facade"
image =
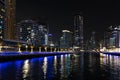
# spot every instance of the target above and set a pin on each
(26, 31)
(66, 39)
(31, 32)
(78, 31)
(43, 35)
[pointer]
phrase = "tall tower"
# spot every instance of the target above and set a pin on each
(78, 31)
(10, 19)
(92, 41)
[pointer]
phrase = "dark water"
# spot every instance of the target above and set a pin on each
(86, 66)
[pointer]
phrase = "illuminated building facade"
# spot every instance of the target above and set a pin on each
(66, 39)
(112, 37)
(78, 31)
(26, 31)
(32, 32)
(43, 35)
(50, 40)
(10, 19)
(2, 18)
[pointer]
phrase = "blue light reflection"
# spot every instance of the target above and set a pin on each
(43, 68)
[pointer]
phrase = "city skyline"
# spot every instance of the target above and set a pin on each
(58, 15)
(98, 15)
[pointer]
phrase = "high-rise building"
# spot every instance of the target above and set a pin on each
(43, 34)
(92, 41)
(32, 32)
(26, 31)
(50, 40)
(2, 18)
(10, 19)
(66, 39)
(78, 31)
(112, 37)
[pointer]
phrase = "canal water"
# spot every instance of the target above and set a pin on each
(85, 66)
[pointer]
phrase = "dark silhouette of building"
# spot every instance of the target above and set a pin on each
(78, 31)
(92, 44)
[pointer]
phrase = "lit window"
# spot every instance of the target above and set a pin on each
(1, 16)
(1, 37)
(0, 27)
(20, 29)
(21, 38)
(32, 30)
(28, 28)
(3, 10)
(1, 21)
(28, 31)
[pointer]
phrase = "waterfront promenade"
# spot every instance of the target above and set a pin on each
(12, 55)
(7, 56)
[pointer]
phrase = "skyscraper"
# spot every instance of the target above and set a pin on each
(50, 40)
(10, 20)
(32, 32)
(92, 41)
(43, 34)
(2, 18)
(27, 31)
(78, 31)
(66, 39)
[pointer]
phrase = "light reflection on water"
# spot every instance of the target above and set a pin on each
(45, 67)
(63, 67)
(26, 69)
(55, 64)
(111, 64)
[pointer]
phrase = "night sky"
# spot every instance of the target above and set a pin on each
(59, 14)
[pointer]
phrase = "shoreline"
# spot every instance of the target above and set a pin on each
(112, 53)
(10, 56)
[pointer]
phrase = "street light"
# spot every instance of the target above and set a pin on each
(39, 49)
(51, 49)
(19, 48)
(45, 48)
(26, 47)
(31, 48)
(0, 47)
